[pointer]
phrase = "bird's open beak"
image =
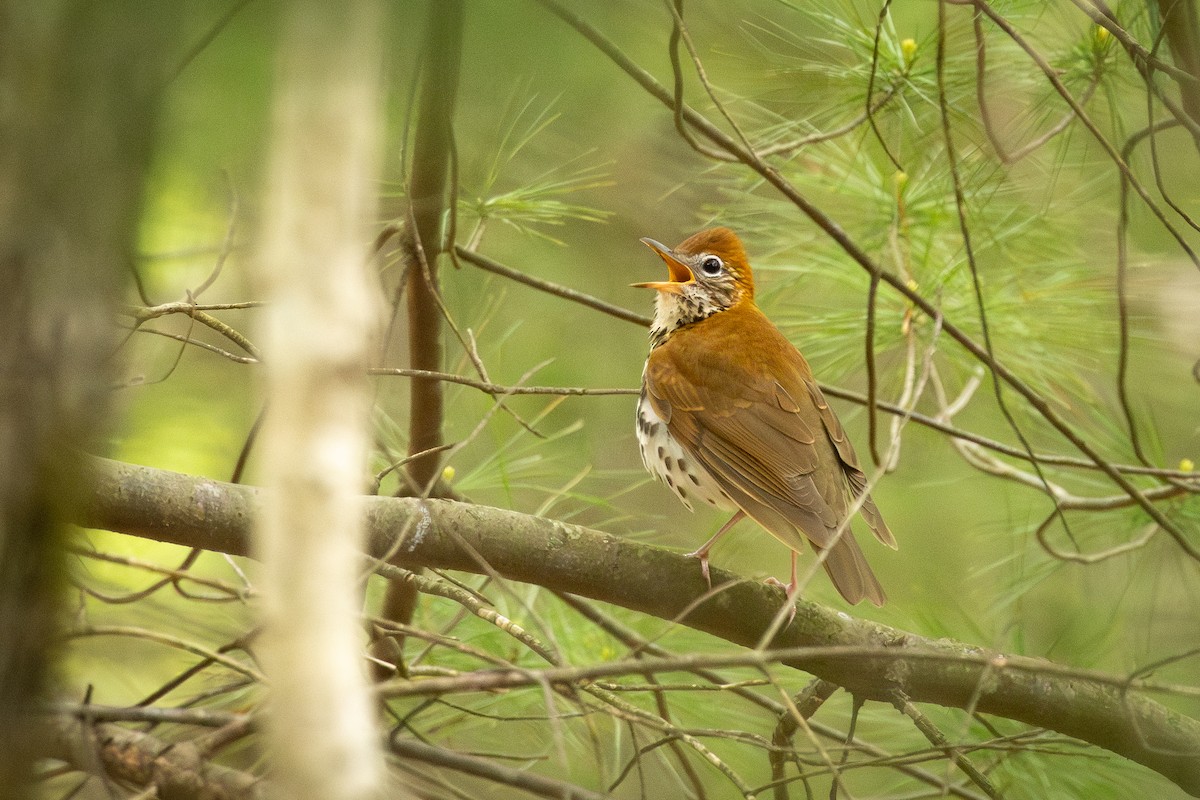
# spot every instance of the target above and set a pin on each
(678, 272)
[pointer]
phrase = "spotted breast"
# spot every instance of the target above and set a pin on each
(666, 459)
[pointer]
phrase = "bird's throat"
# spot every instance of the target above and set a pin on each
(674, 311)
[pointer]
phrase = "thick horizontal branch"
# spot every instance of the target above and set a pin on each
(197, 512)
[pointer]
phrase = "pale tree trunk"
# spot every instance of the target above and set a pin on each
(324, 309)
(79, 83)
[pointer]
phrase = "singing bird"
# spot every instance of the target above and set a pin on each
(731, 416)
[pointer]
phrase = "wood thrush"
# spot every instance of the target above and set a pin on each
(731, 416)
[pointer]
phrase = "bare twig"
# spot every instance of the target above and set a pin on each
(200, 314)
(485, 263)
(524, 780)
(173, 577)
(212, 348)
(938, 739)
(805, 704)
(960, 204)
(167, 639)
(202, 717)
(883, 13)
(1141, 540)
(495, 389)
(226, 246)
(679, 31)
(783, 148)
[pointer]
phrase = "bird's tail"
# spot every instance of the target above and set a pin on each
(850, 573)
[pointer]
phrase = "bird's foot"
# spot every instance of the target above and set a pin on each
(702, 555)
(702, 551)
(790, 590)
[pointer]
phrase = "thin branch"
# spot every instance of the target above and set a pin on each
(524, 780)
(938, 739)
(876, 105)
(496, 389)
(679, 31)
(209, 36)
(1144, 538)
(212, 348)
(575, 296)
(143, 313)
(173, 577)
(883, 14)
(828, 389)
(202, 717)
(199, 314)
(226, 245)
(1065, 500)
(170, 641)
(805, 704)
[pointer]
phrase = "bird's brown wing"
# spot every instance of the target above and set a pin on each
(854, 473)
(774, 449)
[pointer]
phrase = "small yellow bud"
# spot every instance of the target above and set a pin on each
(1102, 34)
(908, 48)
(900, 180)
(448, 474)
(1186, 465)
(911, 284)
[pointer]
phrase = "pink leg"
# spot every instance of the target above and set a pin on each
(701, 552)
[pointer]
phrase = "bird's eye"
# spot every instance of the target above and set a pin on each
(711, 266)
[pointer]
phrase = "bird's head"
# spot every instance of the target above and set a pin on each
(706, 273)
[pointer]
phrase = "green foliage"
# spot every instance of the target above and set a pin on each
(534, 201)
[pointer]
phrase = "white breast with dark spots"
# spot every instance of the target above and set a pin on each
(667, 461)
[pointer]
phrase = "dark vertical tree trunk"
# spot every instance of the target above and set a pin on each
(431, 158)
(79, 82)
(1181, 26)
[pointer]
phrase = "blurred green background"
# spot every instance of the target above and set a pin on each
(564, 163)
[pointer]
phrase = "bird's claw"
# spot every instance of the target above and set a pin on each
(790, 590)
